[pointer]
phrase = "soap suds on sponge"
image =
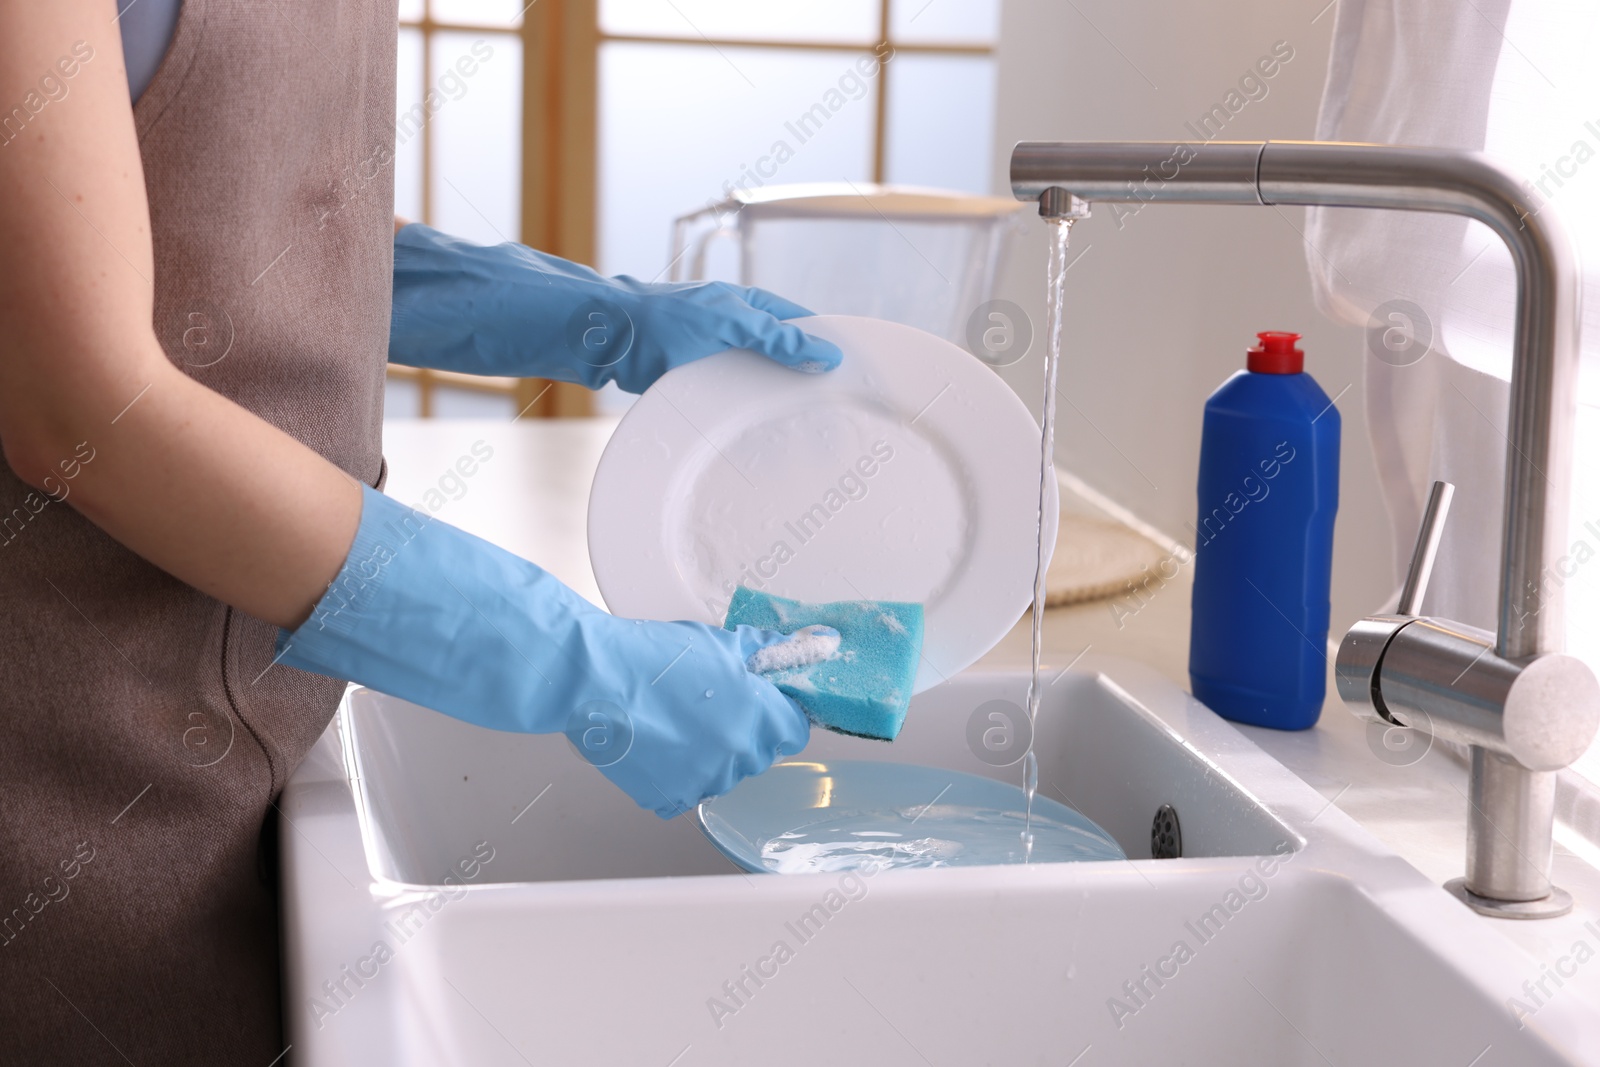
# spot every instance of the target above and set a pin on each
(858, 682)
(806, 646)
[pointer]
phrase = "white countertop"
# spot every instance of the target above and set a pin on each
(531, 498)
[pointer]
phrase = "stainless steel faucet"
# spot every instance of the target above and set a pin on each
(1523, 706)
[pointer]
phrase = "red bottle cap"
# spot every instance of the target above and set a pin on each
(1276, 353)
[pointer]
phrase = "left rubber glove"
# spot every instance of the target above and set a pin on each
(508, 310)
(428, 613)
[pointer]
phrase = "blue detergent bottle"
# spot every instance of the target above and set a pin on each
(1269, 487)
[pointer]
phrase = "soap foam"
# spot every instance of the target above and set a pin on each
(857, 682)
(807, 646)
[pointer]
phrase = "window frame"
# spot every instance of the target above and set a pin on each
(561, 42)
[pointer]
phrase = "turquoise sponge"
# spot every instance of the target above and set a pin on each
(865, 688)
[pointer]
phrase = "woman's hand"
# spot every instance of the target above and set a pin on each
(506, 309)
(668, 711)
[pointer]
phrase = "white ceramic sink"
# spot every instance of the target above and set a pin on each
(459, 896)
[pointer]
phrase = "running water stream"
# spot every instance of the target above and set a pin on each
(1055, 279)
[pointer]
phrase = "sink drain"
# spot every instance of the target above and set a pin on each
(1166, 838)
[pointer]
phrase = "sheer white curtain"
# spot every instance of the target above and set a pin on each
(1519, 79)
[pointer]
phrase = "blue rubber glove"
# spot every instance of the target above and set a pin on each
(428, 613)
(506, 309)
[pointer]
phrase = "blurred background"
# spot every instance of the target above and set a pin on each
(593, 124)
(586, 127)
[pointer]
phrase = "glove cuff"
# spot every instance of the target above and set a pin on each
(386, 524)
(492, 309)
(416, 604)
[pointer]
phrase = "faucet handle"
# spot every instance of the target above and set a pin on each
(1427, 549)
(1355, 669)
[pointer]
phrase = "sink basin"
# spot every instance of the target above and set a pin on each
(454, 895)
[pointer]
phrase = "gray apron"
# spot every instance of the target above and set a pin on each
(143, 737)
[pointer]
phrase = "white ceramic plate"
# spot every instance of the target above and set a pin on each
(910, 473)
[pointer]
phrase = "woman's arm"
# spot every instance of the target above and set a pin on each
(192, 482)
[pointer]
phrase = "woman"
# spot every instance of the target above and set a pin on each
(197, 308)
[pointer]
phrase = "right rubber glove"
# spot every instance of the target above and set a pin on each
(428, 613)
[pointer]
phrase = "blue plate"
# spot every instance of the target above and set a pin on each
(841, 815)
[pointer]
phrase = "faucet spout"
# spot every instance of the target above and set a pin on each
(1521, 724)
(1314, 173)
(1056, 204)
